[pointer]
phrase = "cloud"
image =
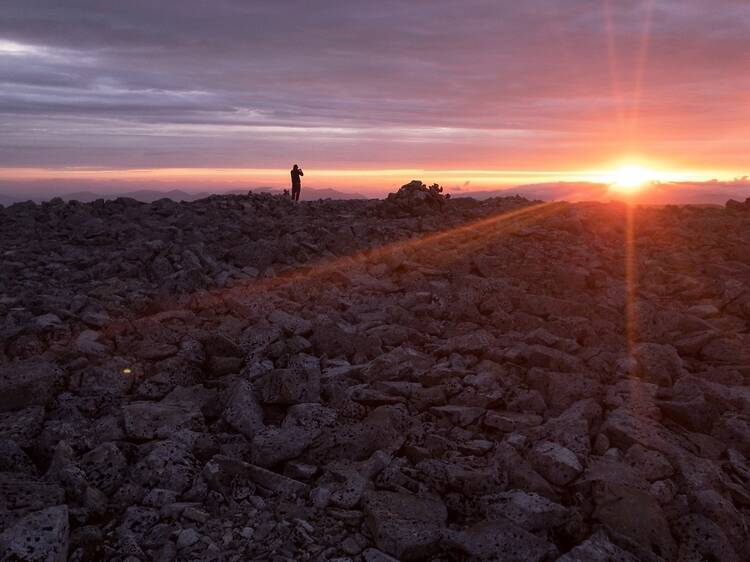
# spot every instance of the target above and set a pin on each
(504, 80)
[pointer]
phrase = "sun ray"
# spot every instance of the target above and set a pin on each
(641, 63)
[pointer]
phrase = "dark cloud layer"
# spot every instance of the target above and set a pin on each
(238, 83)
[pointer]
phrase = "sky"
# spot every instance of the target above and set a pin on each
(368, 95)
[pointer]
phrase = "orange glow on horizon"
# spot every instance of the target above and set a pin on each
(626, 175)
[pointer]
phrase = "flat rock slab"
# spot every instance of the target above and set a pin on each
(21, 494)
(40, 536)
(526, 509)
(406, 526)
(28, 383)
(22, 426)
(151, 420)
(557, 464)
(501, 541)
(597, 548)
(291, 386)
(221, 471)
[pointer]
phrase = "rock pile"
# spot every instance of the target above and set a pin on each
(240, 378)
(414, 199)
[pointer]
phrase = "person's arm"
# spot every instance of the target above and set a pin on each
(301, 173)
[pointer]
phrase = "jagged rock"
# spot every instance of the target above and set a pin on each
(404, 525)
(14, 459)
(20, 494)
(508, 422)
(598, 548)
(98, 381)
(557, 464)
(166, 465)
(42, 535)
(659, 364)
(291, 386)
(273, 445)
(105, 467)
(22, 426)
(138, 520)
(636, 515)
(700, 538)
(159, 420)
(461, 416)
(723, 513)
(526, 509)
(375, 555)
(243, 412)
(500, 540)
(480, 355)
(28, 383)
(221, 470)
(652, 464)
(521, 474)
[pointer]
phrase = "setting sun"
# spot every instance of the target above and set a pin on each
(631, 177)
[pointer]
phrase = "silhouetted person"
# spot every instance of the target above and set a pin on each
(296, 182)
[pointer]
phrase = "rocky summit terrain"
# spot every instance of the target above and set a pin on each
(242, 378)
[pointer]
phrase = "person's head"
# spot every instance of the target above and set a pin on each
(295, 167)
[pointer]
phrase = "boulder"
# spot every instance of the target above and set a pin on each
(700, 538)
(159, 420)
(243, 412)
(290, 386)
(597, 548)
(526, 509)
(406, 526)
(28, 383)
(657, 363)
(637, 515)
(14, 459)
(22, 426)
(105, 467)
(40, 536)
(500, 540)
(557, 464)
(166, 465)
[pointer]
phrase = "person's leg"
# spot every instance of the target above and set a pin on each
(295, 192)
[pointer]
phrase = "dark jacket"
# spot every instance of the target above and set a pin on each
(295, 176)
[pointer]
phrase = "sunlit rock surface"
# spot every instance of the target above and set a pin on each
(243, 378)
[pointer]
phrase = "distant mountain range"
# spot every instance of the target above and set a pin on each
(683, 193)
(672, 193)
(150, 195)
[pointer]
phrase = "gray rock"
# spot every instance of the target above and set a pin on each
(187, 538)
(557, 464)
(22, 426)
(14, 459)
(656, 363)
(700, 538)
(500, 540)
(40, 536)
(105, 467)
(637, 515)
(243, 412)
(597, 548)
(159, 420)
(406, 526)
(21, 494)
(291, 386)
(526, 509)
(166, 465)
(221, 471)
(28, 383)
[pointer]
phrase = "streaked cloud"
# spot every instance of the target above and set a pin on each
(540, 84)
